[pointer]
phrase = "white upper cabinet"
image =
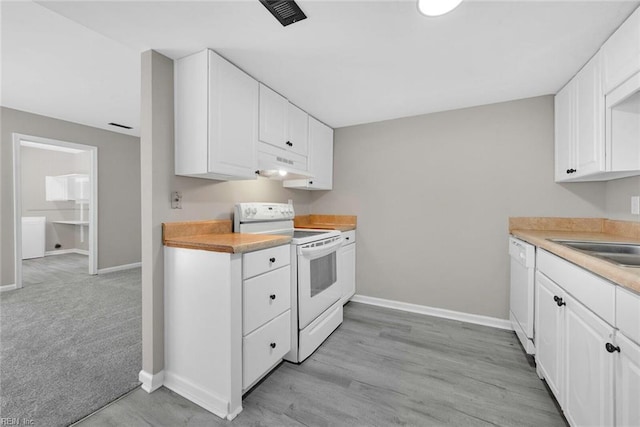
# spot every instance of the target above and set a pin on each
(564, 132)
(622, 53)
(580, 116)
(216, 109)
(320, 159)
(320, 155)
(282, 124)
(274, 109)
(298, 140)
(67, 187)
(598, 112)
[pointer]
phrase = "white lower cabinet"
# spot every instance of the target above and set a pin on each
(549, 333)
(590, 366)
(264, 348)
(266, 314)
(347, 266)
(224, 332)
(627, 380)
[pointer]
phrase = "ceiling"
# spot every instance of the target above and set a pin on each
(349, 62)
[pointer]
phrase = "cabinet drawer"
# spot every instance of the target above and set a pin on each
(597, 294)
(258, 262)
(349, 237)
(264, 297)
(628, 313)
(265, 347)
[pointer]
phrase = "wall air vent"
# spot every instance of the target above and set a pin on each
(286, 12)
(120, 126)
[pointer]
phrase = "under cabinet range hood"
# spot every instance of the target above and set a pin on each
(278, 164)
(282, 174)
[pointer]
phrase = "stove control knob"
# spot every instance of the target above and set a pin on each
(247, 211)
(254, 211)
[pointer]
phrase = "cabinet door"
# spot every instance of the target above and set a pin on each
(589, 117)
(622, 53)
(588, 397)
(273, 117)
(347, 271)
(564, 132)
(549, 333)
(298, 139)
(627, 382)
(233, 119)
(56, 188)
(320, 155)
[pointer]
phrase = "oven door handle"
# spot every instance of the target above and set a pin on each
(318, 252)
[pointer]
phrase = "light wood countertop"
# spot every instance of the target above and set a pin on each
(617, 231)
(216, 236)
(326, 222)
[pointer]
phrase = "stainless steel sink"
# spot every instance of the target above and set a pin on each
(624, 254)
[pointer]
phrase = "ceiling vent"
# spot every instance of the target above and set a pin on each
(286, 12)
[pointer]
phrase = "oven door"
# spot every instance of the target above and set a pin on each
(318, 286)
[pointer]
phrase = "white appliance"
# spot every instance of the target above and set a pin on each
(33, 228)
(523, 264)
(316, 310)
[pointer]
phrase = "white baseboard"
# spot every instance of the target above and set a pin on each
(10, 287)
(199, 396)
(477, 319)
(67, 251)
(151, 383)
(119, 268)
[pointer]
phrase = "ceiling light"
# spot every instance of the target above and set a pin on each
(437, 7)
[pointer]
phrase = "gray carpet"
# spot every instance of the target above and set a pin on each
(68, 347)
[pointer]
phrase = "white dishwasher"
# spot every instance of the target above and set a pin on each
(523, 264)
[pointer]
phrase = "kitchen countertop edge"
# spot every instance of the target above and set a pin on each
(233, 243)
(627, 277)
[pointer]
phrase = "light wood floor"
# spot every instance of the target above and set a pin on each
(381, 367)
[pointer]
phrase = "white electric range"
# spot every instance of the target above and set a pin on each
(315, 290)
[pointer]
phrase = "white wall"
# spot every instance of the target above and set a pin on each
(118, 185)
(433, 195)
(619, 193)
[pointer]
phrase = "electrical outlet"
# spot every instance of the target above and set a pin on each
(635, 205)
(176, 200)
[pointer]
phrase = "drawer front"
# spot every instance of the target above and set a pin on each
(265, 297)
(628, 313)
(597, 294)
(265, 347)
(349, 237)
(258, 262)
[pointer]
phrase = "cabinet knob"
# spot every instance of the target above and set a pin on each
(346, 238)
(571, 170)
(289, 143)
(559, 301)
(612, 348)
(273, 345)
(310, 182)
(272, 260)
(272, 296)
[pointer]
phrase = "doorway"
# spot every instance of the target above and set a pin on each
(49, 232)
